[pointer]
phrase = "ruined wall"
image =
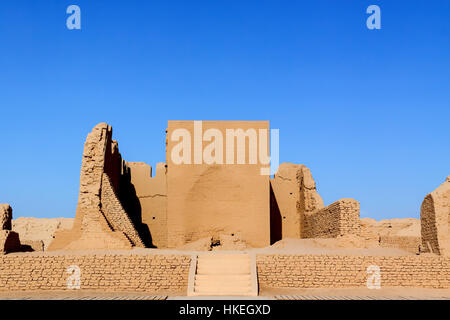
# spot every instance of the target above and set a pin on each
(335, 271)
(298, 206)
(92, 229)
(434, 219)
(102, 272)
(207, 200)
(408, 243)
(9, 240)
(5, 216)
(309, 199)
(36, 232)
(339, 218)
(294, 193)
(115, 213)
(152, 195)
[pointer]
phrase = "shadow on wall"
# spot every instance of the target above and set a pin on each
(131, 204)
(275, 219)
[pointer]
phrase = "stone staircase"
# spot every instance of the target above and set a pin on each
(223, 274)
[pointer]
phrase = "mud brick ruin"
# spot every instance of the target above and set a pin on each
(121, 205)
(195, 223)
(9, 240)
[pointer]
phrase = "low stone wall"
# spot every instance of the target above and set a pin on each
(165, 273)
(334, 271)
(339, 218)
(103, 272)
(408, 243)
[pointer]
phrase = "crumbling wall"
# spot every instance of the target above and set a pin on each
(5, 216)
(9, 240)
(115, 213)
(152, 195)
(339, 218)
(434, 219)
(92, 229)
(408, 243)
(309, 199)
(296, 202)
(294, 194)
(36, 232)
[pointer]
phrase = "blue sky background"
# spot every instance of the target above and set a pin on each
(367, 110)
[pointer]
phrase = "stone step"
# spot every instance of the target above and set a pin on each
(223, 274)
(225, 277)
(222, 282)
(223, 262)
(213, 290)
(230, 270)
(223, 257)
(224, 265)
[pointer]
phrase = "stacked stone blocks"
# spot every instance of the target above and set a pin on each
(337, 219)
(101, 272)
(337, 271)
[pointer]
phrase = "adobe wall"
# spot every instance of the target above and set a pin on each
(309, 199)
(5, 216)
(435, 220)
(116, 214)
(166, 273)
(339, 218)
(96, 224)
(293, 193)
(9, 240)
(152, 195)
(102, 272)
(408, 243)
(335, 271)
(207, 200)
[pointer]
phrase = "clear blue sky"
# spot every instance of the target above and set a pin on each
(367, 110)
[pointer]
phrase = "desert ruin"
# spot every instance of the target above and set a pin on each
(209, 223)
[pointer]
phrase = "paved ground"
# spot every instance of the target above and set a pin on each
(264, 294)
(121, 296)
(118, 297)
(358, 298)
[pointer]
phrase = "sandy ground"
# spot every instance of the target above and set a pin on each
(43, 229)
(330, 247)
(335, 246)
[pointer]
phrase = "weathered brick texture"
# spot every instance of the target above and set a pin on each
(115, 213)
(169, 273)
(408, 243)
(103, 272)
(334, 271)
(5, 216)
(435, 220)
(339, 218)
(100, 220)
